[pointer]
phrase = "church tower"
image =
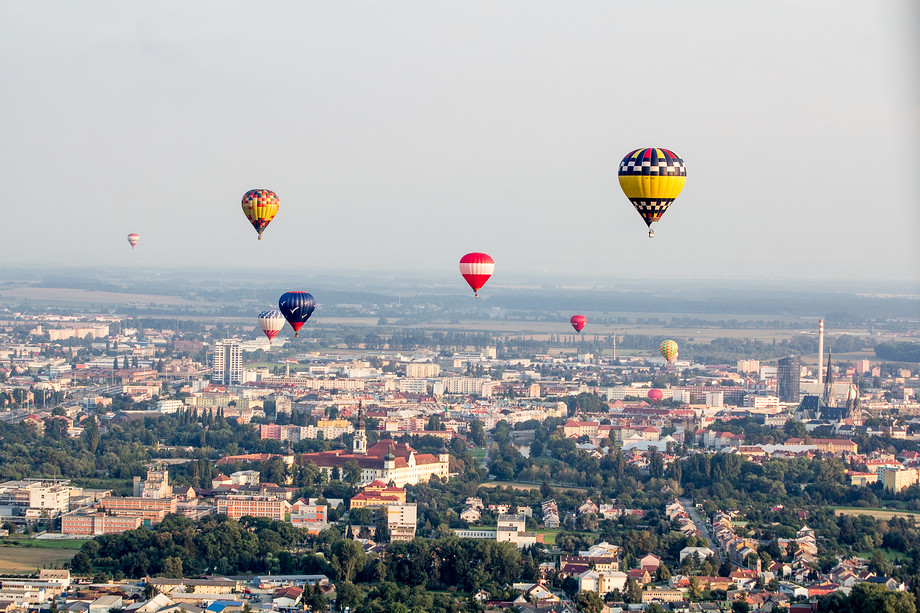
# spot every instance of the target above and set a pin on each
(359, 446)
(828, 382)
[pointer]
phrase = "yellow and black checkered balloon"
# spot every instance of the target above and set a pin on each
(651, 179)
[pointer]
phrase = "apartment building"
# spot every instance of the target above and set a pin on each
(240, 505)
(91, 522)
(402, 520)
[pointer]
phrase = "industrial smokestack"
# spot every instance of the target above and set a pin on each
(820, 351)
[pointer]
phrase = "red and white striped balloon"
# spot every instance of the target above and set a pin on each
(271, 322)
(476, 268)
(133, 238)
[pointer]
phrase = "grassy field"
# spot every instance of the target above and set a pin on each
(22, 542)
(479, 453)
(25, 555)
(892, 556)
(881, 514)
(549, 536)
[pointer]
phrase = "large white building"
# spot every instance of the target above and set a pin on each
(227, 367)
(387, 461)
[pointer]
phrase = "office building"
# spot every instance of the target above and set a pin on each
(788, 373)
(228, 363)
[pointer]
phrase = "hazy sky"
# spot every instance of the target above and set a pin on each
(401, 135)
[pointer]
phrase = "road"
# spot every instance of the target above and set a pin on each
(700, 525)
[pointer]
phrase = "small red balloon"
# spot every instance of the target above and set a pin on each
(578, 322)
(655, 394)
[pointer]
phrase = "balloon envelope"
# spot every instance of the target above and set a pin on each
(655, 394)
(260, 206)
(296, 307)
(133, 239)
(476, 268)
(578, 322)
(271, 322)
(668, 350)
(652, 178)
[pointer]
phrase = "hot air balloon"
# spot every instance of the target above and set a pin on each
(578, 322)
(476, 268)
(651, 179)
(668, 349)
(271, 322)
(133, 238)
(655, 395)
(296, 307)
(260, 207)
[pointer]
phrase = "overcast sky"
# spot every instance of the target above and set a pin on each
(401, 135)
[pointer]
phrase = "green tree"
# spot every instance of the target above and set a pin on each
(312, 599)
(695, 588)
(477, 433)
(570, 586)
(589, 601)
(172, 568)
(633, 591)
(347, 594)
(348, 558)
(351, 471)
(663, 573)
(81, 564)
(874, 598)
(273, 471)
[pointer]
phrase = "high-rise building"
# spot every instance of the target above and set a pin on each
(227, 367)
(788, 373)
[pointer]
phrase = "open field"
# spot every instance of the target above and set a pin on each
(24, 542)
(882, 514)
(892, 556)
(23, 559)
(62, 295)
(549, 536)
(479, 453)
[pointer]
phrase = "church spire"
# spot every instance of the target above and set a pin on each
(359, 446)
(828, 382)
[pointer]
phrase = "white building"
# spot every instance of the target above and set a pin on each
(413, 386)
(512, 529)
(402, 520)
(227, 366)
(169, 406)
(422, 370)
(602, 582)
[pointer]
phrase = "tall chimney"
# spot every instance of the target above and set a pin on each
(820, 351)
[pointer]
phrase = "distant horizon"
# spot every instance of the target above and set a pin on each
(902, 286)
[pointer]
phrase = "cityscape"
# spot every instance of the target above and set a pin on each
(460, 307)
(571, 469)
